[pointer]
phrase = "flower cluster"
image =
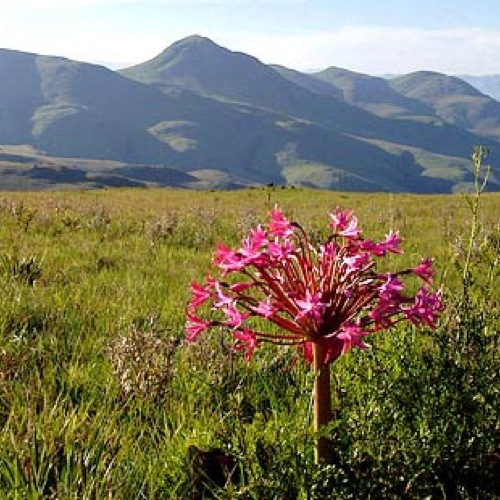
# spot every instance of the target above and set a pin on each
(329, 293)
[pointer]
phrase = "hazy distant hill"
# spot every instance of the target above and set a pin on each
(375, 95)
(487, 84)
(224, 119)
(453, 100)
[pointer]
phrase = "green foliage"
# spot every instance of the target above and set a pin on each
(100, 396)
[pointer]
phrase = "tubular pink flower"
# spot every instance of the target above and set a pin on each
(352, 335)
(357, 261)
(222, 299)
(392, 287)
(200, 294)
(252, 250)
(344, 223)
(424, 270)
(195, 326)
(311, 306)
(227, 260)
(340, 219)
(425, 308)
(234, 316)
(246, 341)
(392, 242)
(264, 309)
(258, 237)
(383, 312)
(278, 225)
(351, 231)
(279, 250)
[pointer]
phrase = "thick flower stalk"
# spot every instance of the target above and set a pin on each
(324, 299)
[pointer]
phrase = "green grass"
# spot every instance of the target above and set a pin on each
(94, 287)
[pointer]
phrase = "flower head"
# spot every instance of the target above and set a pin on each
(424, 270)
(329, 293)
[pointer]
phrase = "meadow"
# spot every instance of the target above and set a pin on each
(101, 397)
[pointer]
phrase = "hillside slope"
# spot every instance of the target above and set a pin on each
(453, 100)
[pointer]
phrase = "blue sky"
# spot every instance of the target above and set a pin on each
(376, 37)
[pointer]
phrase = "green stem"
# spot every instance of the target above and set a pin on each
(479, 186)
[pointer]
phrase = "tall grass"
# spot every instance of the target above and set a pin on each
(95, 283)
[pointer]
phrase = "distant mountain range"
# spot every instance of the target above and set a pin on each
(201, 116)
(487, 84)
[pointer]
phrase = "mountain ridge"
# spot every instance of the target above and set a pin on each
(198, 107)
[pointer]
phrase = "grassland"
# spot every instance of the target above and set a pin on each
(101, 398)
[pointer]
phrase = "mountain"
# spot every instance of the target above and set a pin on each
(76, 109)
(200, 65)
(70, 109)
(487, 84)
(200, 115)
(309, 82)
(374, 95)
(453, 100)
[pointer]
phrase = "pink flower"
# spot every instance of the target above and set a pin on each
(195, 326)
(425, 308)
(252, 250)
(227, 260)
(279, 250)
(246, 341)
(264, 309)
(327, 293)
(279, 226)
(200, 294)
(357, 261)
(234, 316)
(345, 223)
(222, 299)
(311, 306)
(381, 314)
(392, 242)
(352, 336)
(258, 237)
(424, 270)
(392, 287)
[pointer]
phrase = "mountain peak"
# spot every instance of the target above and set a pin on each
(198, 64)
(194, 40)
(186, 54)
(430, 85)
(194, 45)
